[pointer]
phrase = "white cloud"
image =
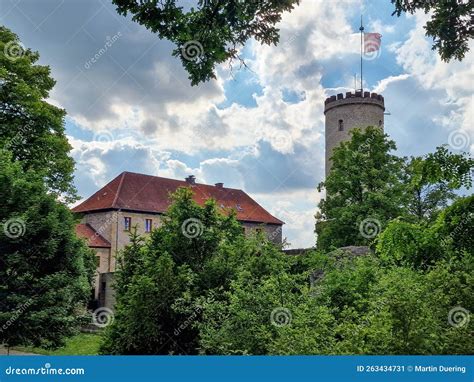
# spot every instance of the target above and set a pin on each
(378, 26)
(297, 210)
(282, 175)
(454, 79)
(384, 83)
(145, 116)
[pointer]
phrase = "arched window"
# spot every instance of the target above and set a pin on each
(341, 125)
(380, 122)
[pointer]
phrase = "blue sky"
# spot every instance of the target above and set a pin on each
(261, 130)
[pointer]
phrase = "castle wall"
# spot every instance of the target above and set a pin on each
(104, 223)
(106, 290)
(121, 237)
(111, 225)
(103, 266)
(354, 110)
(101, 222)
(272, 231)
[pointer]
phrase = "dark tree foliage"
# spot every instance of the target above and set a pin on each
(368, 186)
(423, 244)
(45, 270)
(31, 128)
(431, 181)
(451, 24)
(365, 182)
(219, 292)
(159, 281)
(212, 31)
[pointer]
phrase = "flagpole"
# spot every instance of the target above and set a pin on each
(361, 46)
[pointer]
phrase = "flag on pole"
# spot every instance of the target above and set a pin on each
(372, 42)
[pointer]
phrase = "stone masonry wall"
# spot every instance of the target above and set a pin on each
(354, 110)
(104, 261)
(111, 225)
(273, 231)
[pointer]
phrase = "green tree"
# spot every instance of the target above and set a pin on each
(431, 181)
(45, 270)
(31, 128)
(451, 283)
(212, 31)
(129, 262)
(390, 309)
(450, 25)
(413, 312)
(364, 190)
(145, 320)
(378, 314)
(219, 292)
(159, 282)
(455, 225)
(257, 308)
(311, 331)
(422, 245)
(400, 301)
(368, 186)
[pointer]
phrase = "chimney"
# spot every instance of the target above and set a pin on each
(191, 179)
(219, 185)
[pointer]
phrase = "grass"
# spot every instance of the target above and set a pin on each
(81, 344)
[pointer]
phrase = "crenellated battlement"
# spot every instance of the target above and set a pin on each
(357, 94)
(357, 97)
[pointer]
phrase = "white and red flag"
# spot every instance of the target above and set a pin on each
(372, 42)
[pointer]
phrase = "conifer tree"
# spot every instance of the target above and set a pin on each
(45, 270)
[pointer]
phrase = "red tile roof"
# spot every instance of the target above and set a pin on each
(93, 238)
(145, 193)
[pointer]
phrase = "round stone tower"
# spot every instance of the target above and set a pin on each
(345, 113)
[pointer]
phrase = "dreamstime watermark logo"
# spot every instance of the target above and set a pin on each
(372, 46)
(280, 317)
(460, 228)
(45, 370)
(103, 137)
(14, 228)
(14, 50)
(192, 50)
(285, 44)
(130, 136)
(103, 317)
(459, 140)
(16, 314)
(369, 228)
(372, 55)
(188, 321)
(108, 44)
(113, 217)
(281, 141)
(192, 228)
(275, 234)
(19, 137)
(458, 317)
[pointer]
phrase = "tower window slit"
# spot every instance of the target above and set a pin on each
(341, 125)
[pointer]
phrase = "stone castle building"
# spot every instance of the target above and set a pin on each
(140, 200)
(344, 113)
